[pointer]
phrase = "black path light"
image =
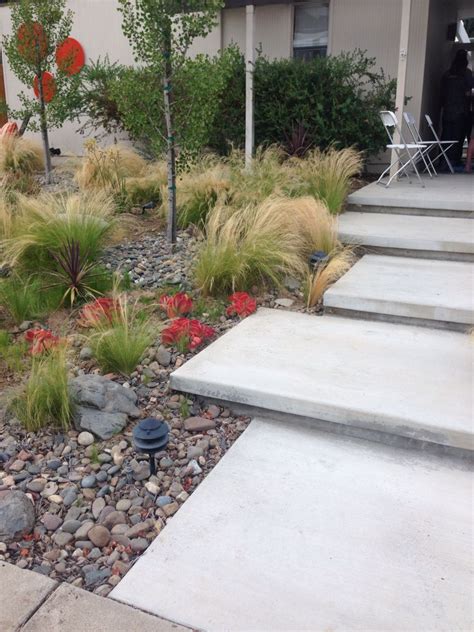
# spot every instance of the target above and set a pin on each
(317, 257)
(151, 436)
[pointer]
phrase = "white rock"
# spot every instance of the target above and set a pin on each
(85, 438)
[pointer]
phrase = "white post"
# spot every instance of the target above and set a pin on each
(402, 72)
(249, 68)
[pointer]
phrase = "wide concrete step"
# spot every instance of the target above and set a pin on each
(297, 529)
(445, 196)
(435, 237)
(406, 381)
(397, 288)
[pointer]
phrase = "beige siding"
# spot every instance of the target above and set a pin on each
(273, 29)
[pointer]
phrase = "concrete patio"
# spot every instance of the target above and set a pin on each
(451, 195)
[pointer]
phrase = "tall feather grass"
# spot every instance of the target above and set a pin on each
(107, 168)
(119, 345)
(20, 155)
(197, 192)
(46, 399)
(245, 247)
(326, 175)
(46, 224)
(327, 273)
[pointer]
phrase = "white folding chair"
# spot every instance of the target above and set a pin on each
(416, 136)
(407, 153)
(439, 143)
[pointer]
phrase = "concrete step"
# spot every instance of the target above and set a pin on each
(396, 288)
(444, 196)
(396, 380)
(430, 237)
(297, 529)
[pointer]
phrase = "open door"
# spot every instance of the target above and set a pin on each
(3, 96)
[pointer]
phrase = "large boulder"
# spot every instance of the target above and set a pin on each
(102, 406)
(17, 515)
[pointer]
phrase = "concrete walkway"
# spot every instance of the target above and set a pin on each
(406, 289)
(31, 602)
(447, 195)
(350, 509)
(297, 529)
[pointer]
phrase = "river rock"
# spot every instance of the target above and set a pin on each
(17, 515)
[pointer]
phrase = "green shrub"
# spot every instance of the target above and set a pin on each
(46, 399)
(119, 345)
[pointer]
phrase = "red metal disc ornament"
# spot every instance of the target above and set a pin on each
(32, 41)
(70, 56)
(49, 87)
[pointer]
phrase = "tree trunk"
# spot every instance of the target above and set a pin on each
(44, 132)
(171, 147)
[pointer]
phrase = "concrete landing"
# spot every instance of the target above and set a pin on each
(297, 530)
(397, 287)
(445, 196)
(391, 378)
(441, 237)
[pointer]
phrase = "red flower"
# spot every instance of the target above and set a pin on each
(41, 339)
(241, 304)
(186, 334)
(102, 309)
(176, 305)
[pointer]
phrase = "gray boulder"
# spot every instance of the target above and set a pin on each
(17, 515)
(103, 406)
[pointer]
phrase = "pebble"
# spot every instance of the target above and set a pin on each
(51, 521)
(86, 353)
(61, 538)
(85, 438)
(71, 526)
(123, 504)
(161, 501)
(171, 509)
(97, 506)
(89, 481)
(83, 531)
(49, 490)
(36, 485)
(99, 535)
(139, 544)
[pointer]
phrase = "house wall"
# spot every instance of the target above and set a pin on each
(372, 25)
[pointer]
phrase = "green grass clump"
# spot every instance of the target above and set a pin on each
(46, 399)
(21, 298)
(327, 175)
(12, 355)
(60, 239)
(119, 345)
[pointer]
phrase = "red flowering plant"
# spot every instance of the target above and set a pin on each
(186, 333)
(241, 304)
(100, 311)
(177, 305)
(41, 340)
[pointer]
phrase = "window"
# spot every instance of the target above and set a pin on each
(310, 36)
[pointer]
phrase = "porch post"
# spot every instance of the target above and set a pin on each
(249, 69)
(402, 72)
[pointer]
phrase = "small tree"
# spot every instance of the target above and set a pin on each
(38, 28)
(160, 33)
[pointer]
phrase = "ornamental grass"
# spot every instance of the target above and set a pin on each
(119, 343)
(247, 246)
(46, 399)
(59, 239)
(19, 155)
(107, 168)
(326, 175)
(327, 273)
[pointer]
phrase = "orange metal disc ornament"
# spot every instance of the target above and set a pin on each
(49, 87)
(70, 56)
(32, 41)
